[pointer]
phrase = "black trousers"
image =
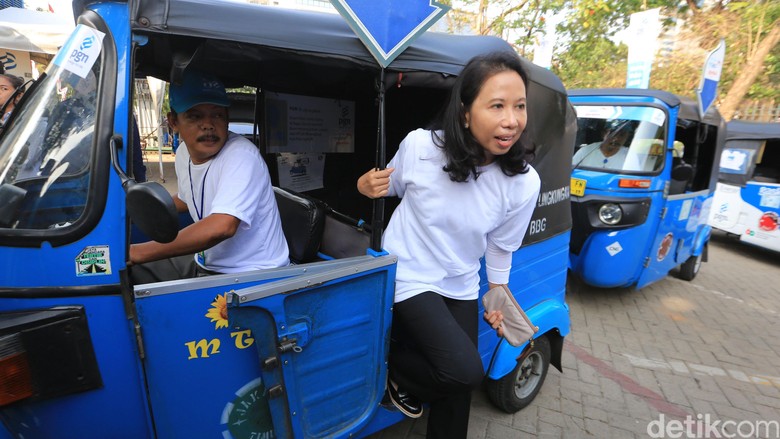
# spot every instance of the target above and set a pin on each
(178, 267)
(434, 356)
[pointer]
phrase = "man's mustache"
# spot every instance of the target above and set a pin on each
(208, 138)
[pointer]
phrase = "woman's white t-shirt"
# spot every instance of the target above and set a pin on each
(441, 228)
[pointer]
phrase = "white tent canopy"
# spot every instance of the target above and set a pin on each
(32, 31)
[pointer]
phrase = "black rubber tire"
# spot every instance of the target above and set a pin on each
(518, 388)
(690, 268)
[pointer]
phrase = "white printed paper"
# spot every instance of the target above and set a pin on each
(301, 171)
(81, 51)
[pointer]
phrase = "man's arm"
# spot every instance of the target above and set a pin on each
(194, 238)
(181, 206)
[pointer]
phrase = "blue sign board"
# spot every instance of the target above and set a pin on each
(388, 27)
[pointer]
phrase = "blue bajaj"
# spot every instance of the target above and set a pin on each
(643, 175)
(298, 351)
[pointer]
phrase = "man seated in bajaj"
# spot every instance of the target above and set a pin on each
(608, 153)
(225, 185)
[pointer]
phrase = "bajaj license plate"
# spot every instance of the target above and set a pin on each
(578, 187)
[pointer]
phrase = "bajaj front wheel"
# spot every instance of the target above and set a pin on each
(518, 388)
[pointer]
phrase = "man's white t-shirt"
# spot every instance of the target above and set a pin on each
(590, 156)
(441, 228)
(235, 182)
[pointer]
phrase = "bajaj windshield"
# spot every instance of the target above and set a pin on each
(620, 139)
(47, 147)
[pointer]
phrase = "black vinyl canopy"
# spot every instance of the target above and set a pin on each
(318, 54)
(747, 130)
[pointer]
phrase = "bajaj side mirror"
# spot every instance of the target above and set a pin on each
(11, 198)
(149, 204)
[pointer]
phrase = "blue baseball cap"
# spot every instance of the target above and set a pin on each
(197, 88)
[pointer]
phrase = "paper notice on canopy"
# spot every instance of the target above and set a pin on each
(309, 124)
(301, 171)
(81, 51)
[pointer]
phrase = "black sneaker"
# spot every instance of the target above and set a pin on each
(403, 401)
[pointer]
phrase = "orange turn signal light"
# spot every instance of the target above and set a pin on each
(15, 376)
(633, 183)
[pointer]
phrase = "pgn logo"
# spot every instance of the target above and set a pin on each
(78, 56)
(87, 43)
(724, 207)
(8, 60)
(344, 120)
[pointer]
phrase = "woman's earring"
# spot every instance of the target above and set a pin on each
(466, 125)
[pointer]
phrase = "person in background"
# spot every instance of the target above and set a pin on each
(467, 191)
(611, 152)
(224, 184)
(139, 168)
(8, 85)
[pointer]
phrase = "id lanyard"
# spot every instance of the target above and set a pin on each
(201, 255)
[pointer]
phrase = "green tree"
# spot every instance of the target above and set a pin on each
(588, 55)
(751, 68)
(521, 23)
(753, 71)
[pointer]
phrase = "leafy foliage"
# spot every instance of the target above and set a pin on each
(589, 52)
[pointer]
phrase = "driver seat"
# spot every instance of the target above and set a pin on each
(682, 174)
(303, 221)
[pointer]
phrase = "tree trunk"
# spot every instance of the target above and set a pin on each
(748, 75)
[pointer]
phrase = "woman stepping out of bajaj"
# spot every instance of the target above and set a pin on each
(467, 190)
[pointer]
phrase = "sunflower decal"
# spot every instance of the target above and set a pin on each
(218, 311)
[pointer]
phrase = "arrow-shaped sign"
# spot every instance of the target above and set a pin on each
(708, 87)
(388, 27)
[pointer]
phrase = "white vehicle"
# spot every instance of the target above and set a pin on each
(747, 197)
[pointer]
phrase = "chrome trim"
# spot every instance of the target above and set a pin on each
(143, 291)
(705, 192)
(249, 294)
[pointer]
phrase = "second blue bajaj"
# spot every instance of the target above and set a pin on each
(643, 176)
(298, 351)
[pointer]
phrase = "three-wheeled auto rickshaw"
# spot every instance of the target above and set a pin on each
(747, 196)
(642, 183)
(298, 351)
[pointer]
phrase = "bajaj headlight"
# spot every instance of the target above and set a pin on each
(610, 214)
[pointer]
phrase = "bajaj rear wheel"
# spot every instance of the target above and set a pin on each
(518, 388)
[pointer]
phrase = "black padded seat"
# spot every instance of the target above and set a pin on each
(682, 174)
(303, 220)
(343, 237)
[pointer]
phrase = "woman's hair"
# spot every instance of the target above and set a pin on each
(15, 81)
(464, 154)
